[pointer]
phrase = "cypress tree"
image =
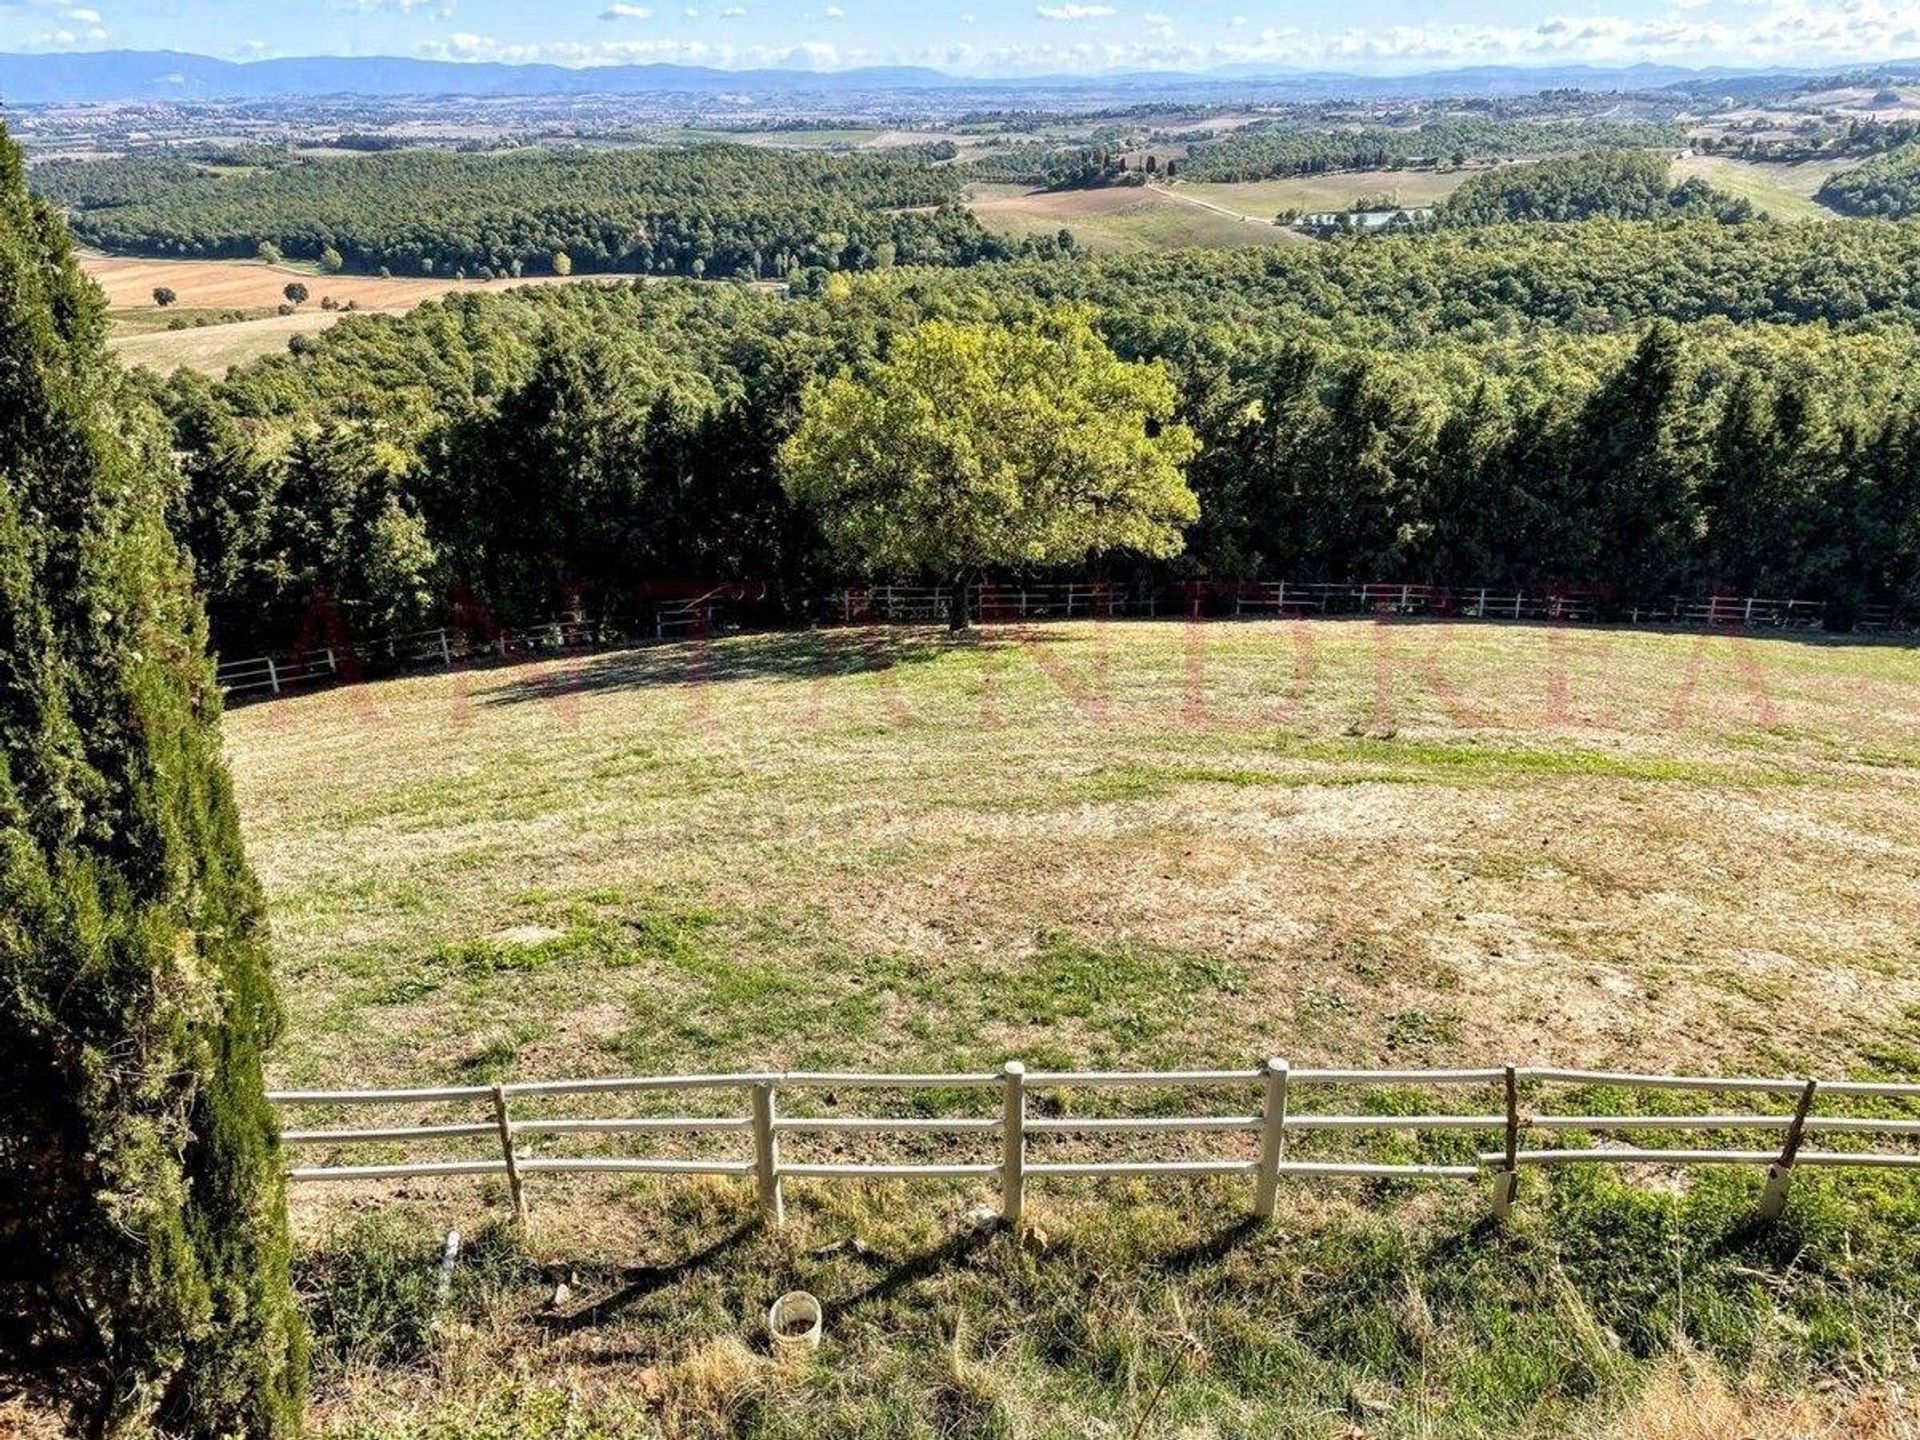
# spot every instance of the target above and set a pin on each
(143, 1250)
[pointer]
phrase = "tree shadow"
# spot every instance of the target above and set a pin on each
(1211, 1250)
(901, 1275)
(803, 655)
(641, 1281)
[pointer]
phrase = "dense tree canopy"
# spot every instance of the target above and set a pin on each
(979, 447)
(1887, 186)
(721, 211)
(1439, 406)
(1611, 184)
(1264, 150)
(143, 1249)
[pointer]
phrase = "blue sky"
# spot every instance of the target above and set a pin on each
(992, 36)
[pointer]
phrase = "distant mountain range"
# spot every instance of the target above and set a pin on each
(109, 76)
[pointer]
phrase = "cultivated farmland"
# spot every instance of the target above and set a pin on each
(1125, 845)
(218, 289)
(1122, 219)
(1335, 190)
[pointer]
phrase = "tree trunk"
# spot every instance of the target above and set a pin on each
(958, 620)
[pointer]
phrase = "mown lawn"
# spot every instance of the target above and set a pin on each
(1108, 845)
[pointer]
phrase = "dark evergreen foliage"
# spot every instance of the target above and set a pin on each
(1422, 408)
(716, 211)
(143, 1248)
(1888, 186)
(1261, 152)
(1616, 184)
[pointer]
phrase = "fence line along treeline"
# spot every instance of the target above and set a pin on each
(345, 660)
(1658, 409)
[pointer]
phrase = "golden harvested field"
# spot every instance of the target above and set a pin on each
(1121, 218)
(140, 336)
(241, 284)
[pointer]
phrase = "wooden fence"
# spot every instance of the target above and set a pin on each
(704, 614)
(1268, 1118)
(444, 648)
(924, 604)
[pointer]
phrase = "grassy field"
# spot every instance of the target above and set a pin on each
(1784, 192)
(1125, 845)
(1338, 191)
(1121, 218)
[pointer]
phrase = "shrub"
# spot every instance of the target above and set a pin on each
(145, 1275)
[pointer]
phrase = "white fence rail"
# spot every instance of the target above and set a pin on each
(1269, 1115)
(923, 604)
(444, 648)
(704, 614)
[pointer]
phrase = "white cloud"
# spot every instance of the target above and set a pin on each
(1810, 33)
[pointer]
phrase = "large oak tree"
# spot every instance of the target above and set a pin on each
(977, 447)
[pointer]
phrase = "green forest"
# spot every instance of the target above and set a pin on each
(1887, 186)
(1654, 409)
(718, 211)
(1263, 152)
(1615, 184)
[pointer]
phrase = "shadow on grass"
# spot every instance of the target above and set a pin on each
(641, 1281)
(794, 655)
(800, 655)
(900, 1275)
(1212, 1250)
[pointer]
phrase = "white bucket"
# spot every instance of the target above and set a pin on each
(794, 1322)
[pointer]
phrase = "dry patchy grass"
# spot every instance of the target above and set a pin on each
(1128, 844)
(1140, 843)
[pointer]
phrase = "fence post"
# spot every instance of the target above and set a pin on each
(1773, 1200)
(766, 1154)
(1508, 1179)
(273, 675)
(1013, 1142)
(505, 1125)
(446, 650)
(333, 666)
(1273, 1140)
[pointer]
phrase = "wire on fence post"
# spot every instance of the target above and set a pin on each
(766, 1155)
(1013, 1142)
(1508, 1180)
(501, 1120)
(1773, 1200)
(1273, 1140)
